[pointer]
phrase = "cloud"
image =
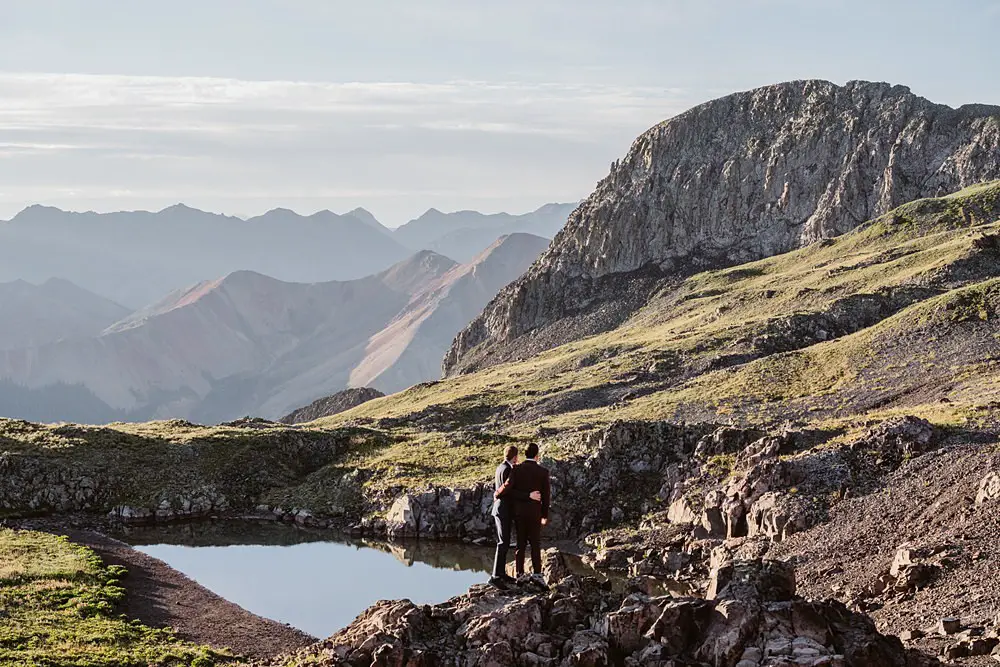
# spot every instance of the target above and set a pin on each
(134, 102)
(220, 141)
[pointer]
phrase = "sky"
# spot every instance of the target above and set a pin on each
(240, 106)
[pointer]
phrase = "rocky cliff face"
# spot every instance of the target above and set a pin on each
(737, 179)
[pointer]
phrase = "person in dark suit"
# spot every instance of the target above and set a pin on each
(504, 500)
(528, 478)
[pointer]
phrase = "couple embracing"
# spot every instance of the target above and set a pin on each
(522, 500)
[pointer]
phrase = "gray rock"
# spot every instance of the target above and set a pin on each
(342, 401)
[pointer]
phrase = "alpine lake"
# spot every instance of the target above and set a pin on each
(314, 580)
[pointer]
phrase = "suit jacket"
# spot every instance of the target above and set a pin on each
(505, 497)
(530, 476)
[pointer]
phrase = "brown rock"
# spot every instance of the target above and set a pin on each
(511, 621)
(767, 580)
(586, 649)
(495, 655)
(554, 566)
(949, 626)
(625, 629)
(678, 624)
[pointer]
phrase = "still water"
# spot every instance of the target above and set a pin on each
(302, 577)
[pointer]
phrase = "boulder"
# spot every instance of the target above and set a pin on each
(901, 438)
(681, 511)
(586, 649)
(712, 518)
(403, 517)
(507, 623)
(989, 489)
(555, 568)
(949, 626)
(766, 580)
(766, 448)
(499, 654)
(776, 516)
(676, 629)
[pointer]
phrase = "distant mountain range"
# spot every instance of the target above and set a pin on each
(134, 258)
(463, 234)
(246, 343)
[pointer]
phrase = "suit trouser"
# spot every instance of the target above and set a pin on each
(529, 530)
(503, 525)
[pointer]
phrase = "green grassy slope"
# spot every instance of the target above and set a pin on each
(899, 316)
(57, 605)
(870, 321)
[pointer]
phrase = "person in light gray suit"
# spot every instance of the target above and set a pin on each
(503, 515)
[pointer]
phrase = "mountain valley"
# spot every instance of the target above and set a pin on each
(250, 344)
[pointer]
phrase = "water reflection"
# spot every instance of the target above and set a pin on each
(309, 578)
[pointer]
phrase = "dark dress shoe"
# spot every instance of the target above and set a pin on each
(499, 582)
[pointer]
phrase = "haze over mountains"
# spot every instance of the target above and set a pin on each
(55, 310)
(134, 258)
(252, 344)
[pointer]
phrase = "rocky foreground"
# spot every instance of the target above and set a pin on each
(750, 617)
(892, 535)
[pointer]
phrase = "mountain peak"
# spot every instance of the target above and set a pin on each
(181, 207)
(791, 146)
(36, 212)
(244, 279)
(282, 211)
(431, 213)
(416, 271)
(365, 216)
(512, 247)
(325, 214)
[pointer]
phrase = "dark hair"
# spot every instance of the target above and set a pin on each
(532, 451)
(510, 453)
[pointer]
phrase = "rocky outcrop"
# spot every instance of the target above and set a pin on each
(30, 485)
(439, 513)
(752, 619)
(989, 489)
(617, 470)
(899, 439)
(740, 178)
(711, 482)
(134, 477)
(607, 476)
(342, 401)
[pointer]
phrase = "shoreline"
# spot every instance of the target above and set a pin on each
(161, 597)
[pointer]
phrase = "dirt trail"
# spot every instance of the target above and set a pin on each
(160, 596)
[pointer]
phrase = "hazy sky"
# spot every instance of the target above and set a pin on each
(239, 106)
